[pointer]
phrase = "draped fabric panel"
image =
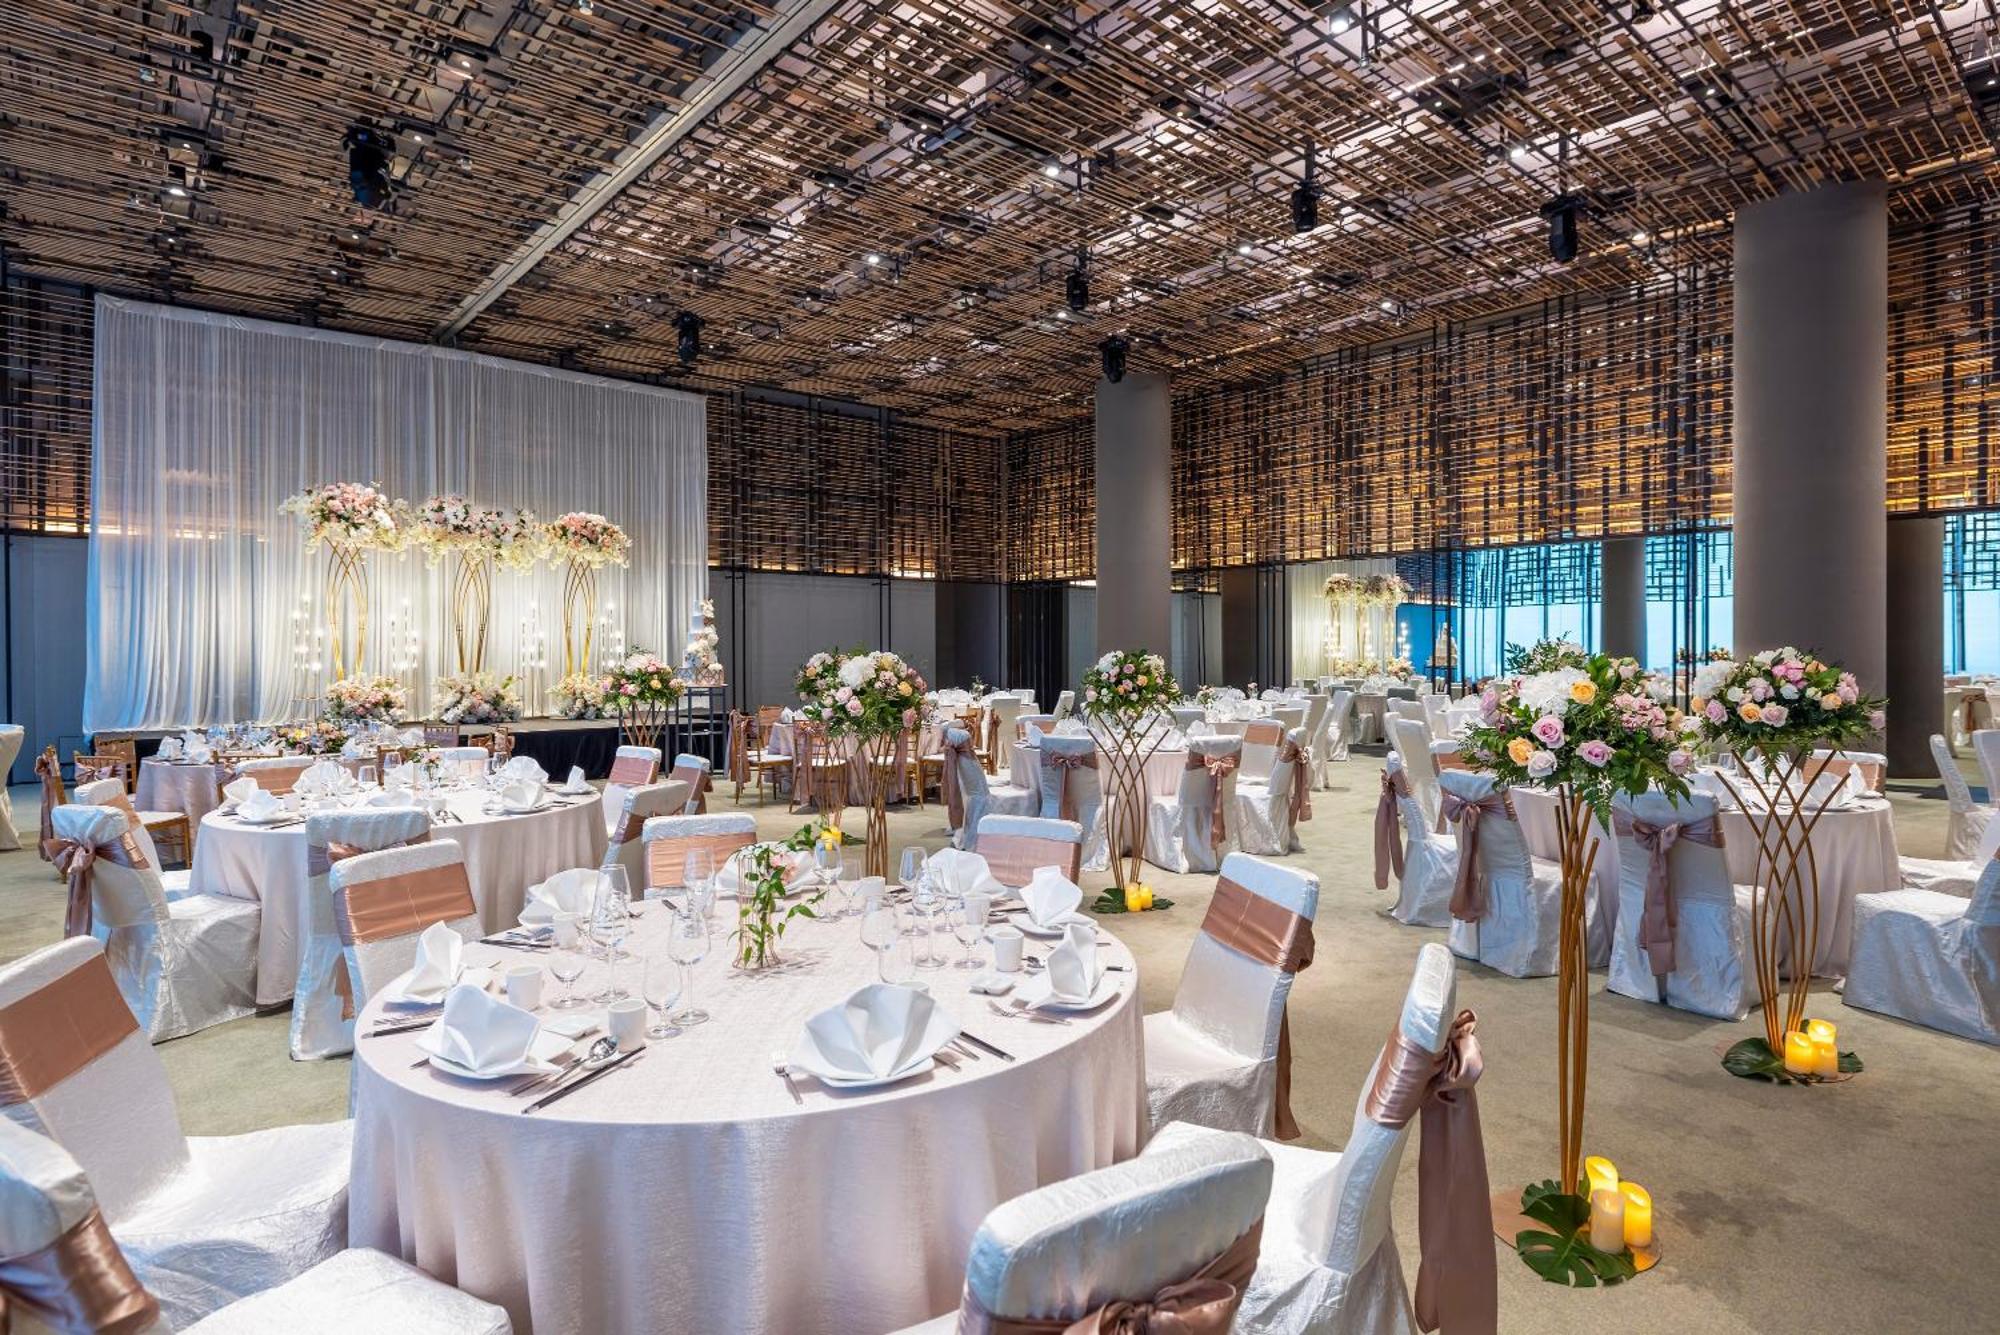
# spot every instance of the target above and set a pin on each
(202, 592)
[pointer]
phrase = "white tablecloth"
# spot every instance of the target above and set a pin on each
(166, 785)
(1854, 850)
(1163, 768)
(504, 855)
(689, 1192)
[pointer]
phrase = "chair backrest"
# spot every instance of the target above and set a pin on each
(1340, 711)
(83, 768)
(1503, 850)
(1290, 717)
(694, 771)
(334, 836)
(382, 902)
(1348, 1209)
(633, 765)
(1986, 749)
(463, 755)
(1983, 910)
(86, 1076)
(1229, 997)
(1696, 872)
(1014, 846)
(1318, 705)
(1412, 737)
(1127, 1231)
(1065, 705)
(1417, 822)
(669, 839)
(1086, 786)
(1437, 713)
(1042, 723)
(1446, 754)
(971, 777)
(125, 885)
(1870, 766)
(626, 845)
(110, 792)
(1260, 746)
(1404, 706)
(441, 734)
(276, 775)
(1958, 793)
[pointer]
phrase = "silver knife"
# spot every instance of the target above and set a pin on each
(583, 1080)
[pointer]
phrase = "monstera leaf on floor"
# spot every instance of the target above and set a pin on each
(1563, 1254)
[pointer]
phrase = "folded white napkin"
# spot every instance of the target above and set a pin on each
(260, 806)
(1051, 898)
(482, 1033)
(784, 716)
(199, 755)
(960, 873)
(1201, 728)
(1072, 727)
(521, 795)
(523, 769)
(170, 748)
(572, 891)
(353, 748)
(413, 737)
(238, 789)
(1073, 967)
(799, 868)
(440, 959)
(323, 777)
(878, 1033)
(387, 798)
(575, 783)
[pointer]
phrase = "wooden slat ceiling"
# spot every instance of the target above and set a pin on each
(974, 146)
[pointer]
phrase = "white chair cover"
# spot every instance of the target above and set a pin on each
(982, 798)
(11, 737)
(1968, 819)
(1260, 745)
(455, 757)
(1711, 974)
(1437, 715)
(1212, 1059)
(1430, 860)
(181, 965)
(642, 763)
(737, 828)
(1065, 705)
(1086, 793)
(1338, 734)
(1929, 958)
(373, 964)
(1329, 1261)
(1180, 829)
(1523, 895)
(203, 1221)
(1015, 846)
(111, 793)
(698, 774)
(1261, 819)
(354, 1291)
(1001, 710)
(626, 846)
(1411, 738)
(1986, 749)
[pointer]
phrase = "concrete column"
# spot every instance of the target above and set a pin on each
(1916, 643)
(1624, 611)
(1811, 342)
(1134, 515)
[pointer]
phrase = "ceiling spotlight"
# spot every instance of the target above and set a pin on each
(368, 151)
(1076, 287)
(687, 337)
(1053, 170)
(177, 191)
(1242, 247)
(1388, 305)
(584, 7)
(1641, 237)
(1562, 213)
(1112, 353)
(1305, 199)
(1518, 152)
(1340, 19)
(871, 259)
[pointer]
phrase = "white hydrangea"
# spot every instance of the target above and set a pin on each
(1548, 692)
(1708, 678)
(855, 671)
(1106, 663)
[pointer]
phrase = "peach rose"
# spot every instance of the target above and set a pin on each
(1519, 750)
(1583, 692)
(1750, 712)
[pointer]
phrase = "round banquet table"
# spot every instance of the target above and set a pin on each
(690, 1190)
(781, 741)
(504, 855)
(1163, 768)
(1854, 849)
(178, 785)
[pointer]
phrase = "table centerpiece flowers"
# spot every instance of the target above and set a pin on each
(476, 697)
(351, 520)
(581, 695)
(1126, 697)
(584, 543)
(642, 688)
(475, 538)
(315, 738)
(871, 702)
(1584, 727)
(1784, 714)
(353, 701)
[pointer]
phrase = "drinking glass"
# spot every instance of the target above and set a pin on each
(697, 873)
(621, 881)
(689, 946)
(827, 863)
(661, 987)
(924, 902)
(883, 930)
(365, 776)
(566, 959)
(610, 922)
(968, 924)
(913, 867)
(391, 762)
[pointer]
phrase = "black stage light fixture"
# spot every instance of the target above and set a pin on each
(368, 151)
(1562, 213)
(1112, 351)
(1076, 287)
(687, 337)
(1340, 19)
(1305, 199)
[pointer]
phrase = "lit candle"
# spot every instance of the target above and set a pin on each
(1638, 1214)
(1135, 897)
(1607, 1220)
(1600, 1175)
(1798, 1052)
(1825, 1051)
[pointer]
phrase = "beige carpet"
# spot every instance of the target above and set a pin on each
(1862, 1207)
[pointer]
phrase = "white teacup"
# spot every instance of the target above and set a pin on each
(626, 1020)
(1007, 943)
(524, 986)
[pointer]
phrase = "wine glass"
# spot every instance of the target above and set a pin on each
(610, 921)
(661, 987)
(621, 881)
(391, 762)
(924, 901)
(827, 862)
(566, 959)
(913, 867)
(968, 924)
(689, 946)
(365, 776)
(697, 873)
(882, 929)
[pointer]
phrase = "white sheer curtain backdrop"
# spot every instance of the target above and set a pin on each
(1304, 583)
(204, 423)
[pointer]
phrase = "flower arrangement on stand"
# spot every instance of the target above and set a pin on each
(643, 689)
(581, 695)
(584, 543)
(353, 701)
(1773, 710)
(476, 697)
(1126, 695)
(351, 520)
(476, 538)
(872, 699)
(1585, 727)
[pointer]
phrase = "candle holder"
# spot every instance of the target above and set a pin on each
(1550, 1230)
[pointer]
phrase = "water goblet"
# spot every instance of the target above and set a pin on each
(688, 945)
(621, 882)
(661, 987)
(697, 873)
(968, 924)
(883, 930)
(610, 921)
(566, 959)
(924, 900)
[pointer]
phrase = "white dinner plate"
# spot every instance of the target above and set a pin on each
(1027, 924)
(541, 1058)
(872, 1082)
(1034, 991)
(267, 820)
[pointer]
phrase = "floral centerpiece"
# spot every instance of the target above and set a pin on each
(476, 697)
(358, 700)
(314, 738)
(584, 543)
(581, 695)
(873, 699)
(1774, 711)
(477, 538)
(766, 906)
(1384, 590)
(1125, 694)
(1586, 726)
(351, 520)
(642, 689)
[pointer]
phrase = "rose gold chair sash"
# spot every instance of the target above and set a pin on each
(1219, 768)
(632, 771)
(1468, 891)
(666, 859)
(80, 1282)
(75, 861)
(1204, 1303)
(954, 794)
(1290, 752)
(1013, 858)
(739, 747)
(402, 904)
(1388, 843)
(58, 1029)
(1662, 914)
(696, 777)
(1271, 934)
(1457, 1280)
(1066, 763)
(50, 770)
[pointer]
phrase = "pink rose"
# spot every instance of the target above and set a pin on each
(1548, 730)
(1759, 689)
(1678, 761)
(854, 708)
(1595, 753)
(1877, 720)
(1716, 713)
(1774, 715)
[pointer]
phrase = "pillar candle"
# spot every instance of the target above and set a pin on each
(1638, 1214)
(1599, 1175)
(1826, 1052)
(1607, 1220)
(1798, 1052)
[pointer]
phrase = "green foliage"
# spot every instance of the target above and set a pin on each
(1561, 1252)
(1113, 901)
(763, 913)
(1753, 1059)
